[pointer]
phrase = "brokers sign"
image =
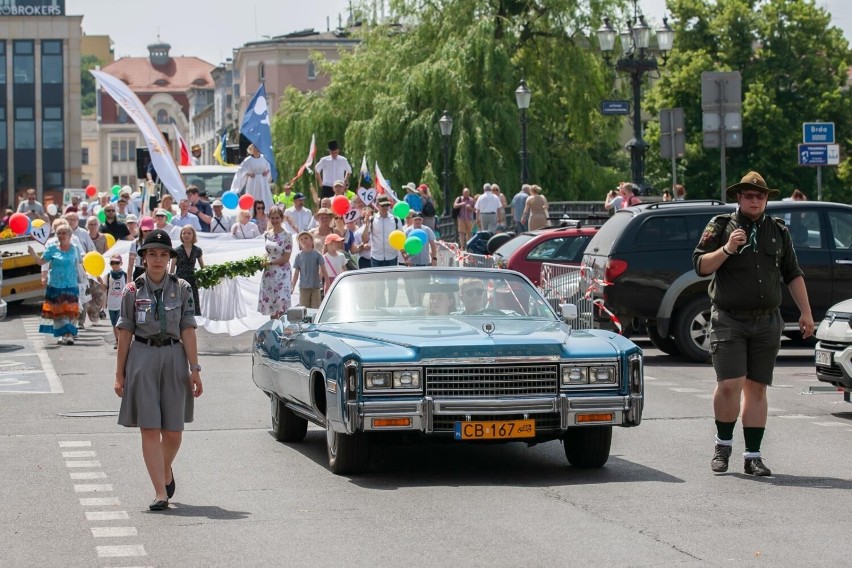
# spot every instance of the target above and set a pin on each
(32, 7)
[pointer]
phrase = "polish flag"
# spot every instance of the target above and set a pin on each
(382, 185)
(309, 162)
(185, 159)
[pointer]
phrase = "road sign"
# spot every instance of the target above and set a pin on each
(818, 133)
(819, 154)
(615, 107)
(672, 137)
(721, 91)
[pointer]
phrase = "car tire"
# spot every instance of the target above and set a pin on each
(286, 426)
(692, 329)
(665, 344)
(348, 454)
(498, 241)
(587, 446)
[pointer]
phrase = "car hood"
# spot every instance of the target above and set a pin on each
(399, 341)
(837, 325)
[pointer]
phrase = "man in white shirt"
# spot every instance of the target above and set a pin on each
(185, 218)
(376, 233)
(218, 222)
(331, 168)
(486, 209)
(298, 217)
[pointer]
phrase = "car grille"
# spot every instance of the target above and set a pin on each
(447, 422)
(493, 381)
(833, 346)
(834, 370)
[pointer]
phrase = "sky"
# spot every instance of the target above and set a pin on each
(211, 29)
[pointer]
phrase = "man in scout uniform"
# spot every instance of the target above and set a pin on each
(748, 253)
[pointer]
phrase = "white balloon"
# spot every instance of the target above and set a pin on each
(52, 209)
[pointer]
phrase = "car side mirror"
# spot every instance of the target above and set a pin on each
(568, 311)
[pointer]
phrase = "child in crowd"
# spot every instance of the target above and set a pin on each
(335, 262)
(309, 271)
(116, 280)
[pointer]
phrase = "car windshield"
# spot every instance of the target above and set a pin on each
(216, 183)
(370, 295)
(514, 244)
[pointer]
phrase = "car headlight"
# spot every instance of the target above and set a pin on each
(402, 379)
(406, 379)
(575, 375)
(374, 380)
(602, 375)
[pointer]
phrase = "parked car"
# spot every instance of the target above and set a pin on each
(216, 180)
(642, 260)
(496, 365)
(833, 354)
(558, 245)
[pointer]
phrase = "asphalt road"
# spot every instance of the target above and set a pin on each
(75, 493)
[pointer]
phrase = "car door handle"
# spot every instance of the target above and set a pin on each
(843, 261)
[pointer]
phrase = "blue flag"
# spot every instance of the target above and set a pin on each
(255, 128)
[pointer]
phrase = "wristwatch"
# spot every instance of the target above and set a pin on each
(195, 368)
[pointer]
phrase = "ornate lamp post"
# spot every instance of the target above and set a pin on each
(636, 59)
(446, 124)
(522, 97)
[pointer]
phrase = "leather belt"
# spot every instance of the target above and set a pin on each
(751, 313)
(156, 341)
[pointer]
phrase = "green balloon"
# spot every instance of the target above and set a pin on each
(168, 216)
(401, 210)
(116, 189)
(413, 245)
(102, 216)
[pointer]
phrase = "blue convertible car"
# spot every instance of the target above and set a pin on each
(471, 355)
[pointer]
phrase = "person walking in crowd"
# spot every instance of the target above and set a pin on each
(335, 261)
(219, 223)
(60, 307)
(429, 211)
(501, 212)
(93, 307)
(614, 199)
(309, 272)
(464, 218)
(536, 211)
(749, 254)
(132, 222)
(258, 216)
(73, 220)
(274, 297)
(323, 228)
(381, 253)
(199, 208)
(157, 374)
(299, 218)
(167, 203)
(667, 195)
(184, 219)
(679, 192)
(332, 168)
(487, 207)
(112, 226)
(32, 208)
(161, 221)
(364, 255)
(134, 260)
(428, 256)
(116, 281)
(255, 176)
(286, 197)
(413, 197)
(188, 254)
(244, 228)
(121, 211)
(519, 203)
(629, 191)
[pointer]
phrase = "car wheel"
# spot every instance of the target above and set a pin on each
(692, 329)
(347, 453)
(498, 241)
(587, 446)
(286, 426)
(665, 344)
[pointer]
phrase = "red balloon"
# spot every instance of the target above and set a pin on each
(91, 190)
(339, 204)
(19, 223)
(246, 202)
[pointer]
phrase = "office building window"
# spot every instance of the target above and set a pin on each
(24, 129)
(53, 129)
(162, 117)
(24, 179)
(114, 146)
(23, 63)
(53, 179)
(85, 159)
(312, 71)
(84, 183)
(51, 62)
(2, 62)
(122, 115)
(261, 72)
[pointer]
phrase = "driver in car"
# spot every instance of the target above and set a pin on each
(473, 295)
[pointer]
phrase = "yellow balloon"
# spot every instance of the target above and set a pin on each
(110, 240)
(397, 239)
(94, 263)
(38, 223)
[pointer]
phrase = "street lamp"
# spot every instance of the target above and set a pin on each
(522, 97)
(637, 58)
(446, 124)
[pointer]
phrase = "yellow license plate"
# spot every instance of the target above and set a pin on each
(495, 429)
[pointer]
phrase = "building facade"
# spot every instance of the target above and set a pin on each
(40, 129)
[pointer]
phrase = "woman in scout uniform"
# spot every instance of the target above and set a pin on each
(157, 372)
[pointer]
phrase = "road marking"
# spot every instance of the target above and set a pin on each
(685, 389)
(79, 476)
(776, 410)
(663, 384)
(79, 444)
(80, 454)
(647, 378)
(93, 488)
(47, 366)
(796, 416)
(100, 502)
(113, 532)
(123, 550)
(705, 396)
(830, 424)
(82, 464)
(107, 516)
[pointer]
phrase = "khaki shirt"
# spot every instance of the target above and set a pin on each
(750, 280)
(138, 312)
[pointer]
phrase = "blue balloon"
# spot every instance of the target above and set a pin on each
(230, 200)
(114, 198)
(420, 234)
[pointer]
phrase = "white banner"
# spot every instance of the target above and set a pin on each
(161, 155)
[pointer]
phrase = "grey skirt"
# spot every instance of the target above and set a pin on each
(157, 392)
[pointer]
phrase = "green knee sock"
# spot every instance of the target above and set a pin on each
(753, 438)
(725, 430)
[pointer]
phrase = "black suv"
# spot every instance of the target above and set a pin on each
(642, 261)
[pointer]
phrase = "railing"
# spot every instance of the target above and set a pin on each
(449, 254)
(562, 284)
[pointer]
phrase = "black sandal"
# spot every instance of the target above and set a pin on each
(170, 488)
(159, 505)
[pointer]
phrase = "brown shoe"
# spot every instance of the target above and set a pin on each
(755, 466)
(719, 464)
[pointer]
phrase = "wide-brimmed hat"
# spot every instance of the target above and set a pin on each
(131, 218)
(324, 211)
(410, 186)
(751, 180)
(146, 224)
(158, 239)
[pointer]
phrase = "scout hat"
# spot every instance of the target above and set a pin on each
(383, 200)
(751, 180)
(158, 239)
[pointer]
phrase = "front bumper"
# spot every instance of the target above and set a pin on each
(553, 415)
(839, 373)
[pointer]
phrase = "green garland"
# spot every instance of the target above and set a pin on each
(211, 275)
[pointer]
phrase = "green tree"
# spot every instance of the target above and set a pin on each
(87, 84)
(467, 56)
(794, 68)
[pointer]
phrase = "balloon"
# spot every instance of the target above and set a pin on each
(401, 210)
(413, 245)
(114, 198)
(19, 223)
(102, 216)
(38, 223)
(396, 240)
(420, 234)
(116, 189)
(230, 199)
(94, 263)
(168, 216)
(246, 202)
(340, 205)
(110, 240)
(52, 209)
(91, 190)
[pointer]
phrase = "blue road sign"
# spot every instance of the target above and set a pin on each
(818, 133)
(819, 154)
(615, 107)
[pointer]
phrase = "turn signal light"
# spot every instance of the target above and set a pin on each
(594, 418)
(391, 422)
